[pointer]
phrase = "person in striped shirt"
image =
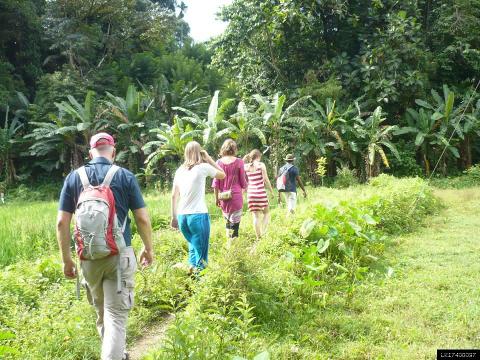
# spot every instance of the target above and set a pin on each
(257, 176)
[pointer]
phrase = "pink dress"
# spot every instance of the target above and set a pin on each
(236, 179)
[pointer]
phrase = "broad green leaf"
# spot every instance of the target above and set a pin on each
(213, 108)
(424, 104)
(340, 267)
(449, 104)
(371, 257)
(369, 220)
(436, 116)
(83, 126)
(7, 350)
(419, 139)
(130, 99)
(307, 228)
(405, 130)
(454, 151)
(322, 246)
(6, 335)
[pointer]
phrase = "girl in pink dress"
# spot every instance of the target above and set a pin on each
(235, 181)
(257, 195)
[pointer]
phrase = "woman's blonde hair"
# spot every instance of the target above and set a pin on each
(253, 155)
(192, 155)
(229, 148)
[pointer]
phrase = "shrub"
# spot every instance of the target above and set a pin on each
(345, 178)
(470, 178)
(407, 164)
(400, 204)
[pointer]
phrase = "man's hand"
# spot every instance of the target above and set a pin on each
(69, 269)
(146, 257)
(174, 222)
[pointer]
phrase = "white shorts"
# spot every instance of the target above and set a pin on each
(291, 199)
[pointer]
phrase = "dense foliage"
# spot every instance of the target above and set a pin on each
(369, 86)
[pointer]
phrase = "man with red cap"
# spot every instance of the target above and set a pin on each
(112, 303)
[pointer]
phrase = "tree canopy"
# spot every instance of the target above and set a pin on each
(369, 86)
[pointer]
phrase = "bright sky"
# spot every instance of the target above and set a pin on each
(200, 15)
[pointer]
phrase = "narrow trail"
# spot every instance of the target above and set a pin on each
(150, 339)
(432, 300)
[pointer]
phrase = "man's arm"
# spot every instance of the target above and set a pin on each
(145, 230)
(63, 238)
(300, 183)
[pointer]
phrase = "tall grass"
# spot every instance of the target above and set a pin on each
(26, 231)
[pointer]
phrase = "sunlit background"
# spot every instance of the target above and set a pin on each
(201, 17)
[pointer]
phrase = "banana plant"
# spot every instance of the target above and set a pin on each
(442, 108)
(467, 127)
(430, 131)
(246, 125)
(81, 116)
(334, 127)
(374, 138)
(130, 113)
(277, 120)
(8, 137)
(214, 127)
(170, 141)
(65, 136)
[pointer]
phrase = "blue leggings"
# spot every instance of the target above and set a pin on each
(196, 229)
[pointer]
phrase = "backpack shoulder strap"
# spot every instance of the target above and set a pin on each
(83, 177)
(110, 174)
(288, 167)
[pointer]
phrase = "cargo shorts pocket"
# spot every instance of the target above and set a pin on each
(128, 267)
(128, 294)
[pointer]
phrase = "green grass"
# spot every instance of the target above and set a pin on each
(27, 230)
(430, 302)
(251, 302)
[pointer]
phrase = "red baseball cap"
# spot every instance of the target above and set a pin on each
(101, 139)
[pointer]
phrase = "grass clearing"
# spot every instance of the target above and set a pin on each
(430, 302)
(262, 300)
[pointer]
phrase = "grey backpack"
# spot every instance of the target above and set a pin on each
(97, 231)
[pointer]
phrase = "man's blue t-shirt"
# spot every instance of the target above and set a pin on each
(292, 173)
(124, 185)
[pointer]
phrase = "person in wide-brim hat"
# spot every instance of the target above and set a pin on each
(287, 178)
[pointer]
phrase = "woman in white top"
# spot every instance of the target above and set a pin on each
(190, 214)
